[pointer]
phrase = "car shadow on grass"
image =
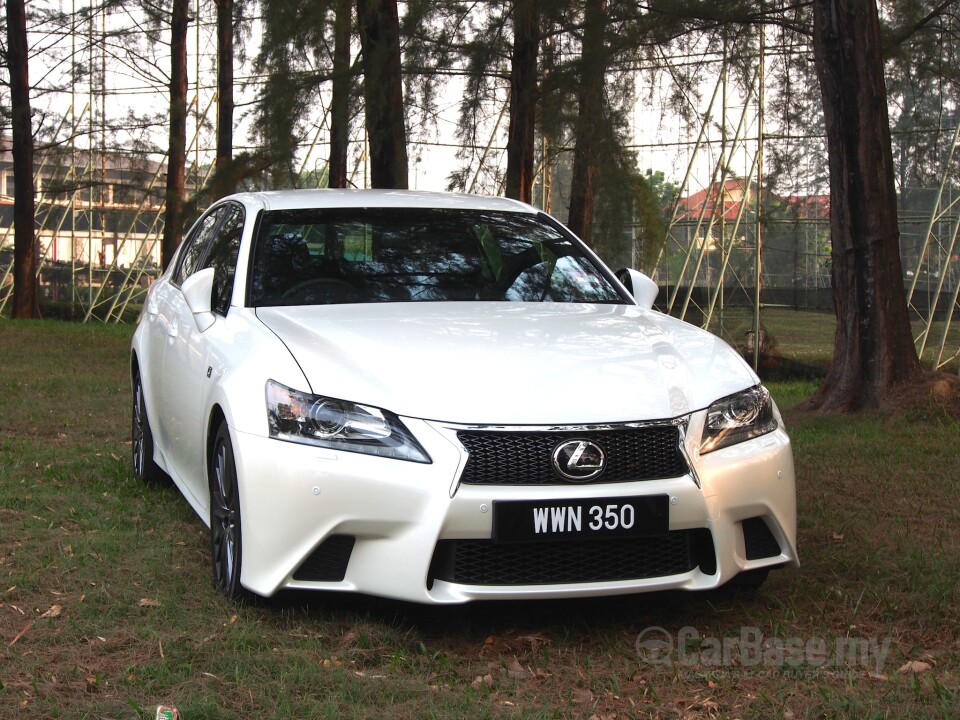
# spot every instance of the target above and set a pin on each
(577, 616)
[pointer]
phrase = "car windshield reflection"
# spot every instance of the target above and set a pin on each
(320, 257)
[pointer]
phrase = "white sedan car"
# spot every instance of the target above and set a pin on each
(443, 398)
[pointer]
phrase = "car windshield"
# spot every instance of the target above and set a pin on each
(311, 257)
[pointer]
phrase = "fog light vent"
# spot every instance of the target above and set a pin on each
(328, 563)
(758, 540)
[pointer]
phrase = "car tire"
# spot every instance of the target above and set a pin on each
(226, 540)
(145, 469)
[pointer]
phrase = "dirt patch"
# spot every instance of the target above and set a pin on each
(932, 395)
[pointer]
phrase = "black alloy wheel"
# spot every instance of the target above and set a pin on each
(226, 545)
(144, 467)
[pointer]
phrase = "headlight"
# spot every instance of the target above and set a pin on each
(327, 422)
(736, 418)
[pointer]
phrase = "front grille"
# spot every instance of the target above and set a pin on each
(484, 562)
(525, 457)
(328, 562)
(758, 541)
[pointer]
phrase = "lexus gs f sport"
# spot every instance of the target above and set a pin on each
(443, 398)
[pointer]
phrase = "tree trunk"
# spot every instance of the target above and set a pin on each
(25, 296)
(523, 100)
(590, 101)
(340, 101)
(379, 26)
(873, 348)
(177, 152)
(225, 181)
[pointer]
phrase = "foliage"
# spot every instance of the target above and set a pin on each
(444, 40)
(294, 57)
(630, 219)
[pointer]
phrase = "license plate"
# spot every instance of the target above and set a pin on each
(552, 520)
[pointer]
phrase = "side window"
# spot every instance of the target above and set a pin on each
(196, 246)
(223, 257)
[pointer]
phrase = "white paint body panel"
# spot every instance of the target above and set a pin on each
(437, 365)
(510, 363)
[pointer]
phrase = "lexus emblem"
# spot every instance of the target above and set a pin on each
(578, 460)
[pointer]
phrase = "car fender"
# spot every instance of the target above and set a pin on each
(149, 367)
(237, 387)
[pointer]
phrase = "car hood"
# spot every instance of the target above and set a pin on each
(510, 363)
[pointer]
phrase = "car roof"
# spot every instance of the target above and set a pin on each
(336, 198)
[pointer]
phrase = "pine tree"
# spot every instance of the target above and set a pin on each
(379, 25)
(25, 296)
(873, 349)
(173, 218)
(225, 179)
(523, 100)
(340, 95)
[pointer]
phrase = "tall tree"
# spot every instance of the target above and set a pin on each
(25, 297)
(173, 216)
(523, 100)
(305, 54)
(485, 55)
(873, 348)
(290, 30)
(379, 25)
(594, 59)
(224, 179)
(340, 94)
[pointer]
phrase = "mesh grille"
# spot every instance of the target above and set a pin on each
(328, 563)
(758, 540)
(525, 458)
(484, 562)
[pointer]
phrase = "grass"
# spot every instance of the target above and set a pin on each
(804, 338)
(107, 609)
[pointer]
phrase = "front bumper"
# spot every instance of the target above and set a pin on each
(319, 519)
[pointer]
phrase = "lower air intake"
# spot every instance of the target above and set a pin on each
(328, 563)
(484, 562)
(758, 541)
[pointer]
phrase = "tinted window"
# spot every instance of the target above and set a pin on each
(404, 255)
(195, 246)
(223, 257)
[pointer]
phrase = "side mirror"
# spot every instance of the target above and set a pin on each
(198, 292)
(643, 289)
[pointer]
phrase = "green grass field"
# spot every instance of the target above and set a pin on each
(803, 339)
(107, 609)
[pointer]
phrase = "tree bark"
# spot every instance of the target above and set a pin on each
(873, 348)
(340, 100)
(379, 26)
(25, 294)
(590, 101)
(224, 176)
(177, 147)
(523, 100)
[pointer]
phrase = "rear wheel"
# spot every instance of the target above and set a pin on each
(226, 546)
(144, 467)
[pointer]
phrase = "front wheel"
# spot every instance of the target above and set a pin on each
(226, 546)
